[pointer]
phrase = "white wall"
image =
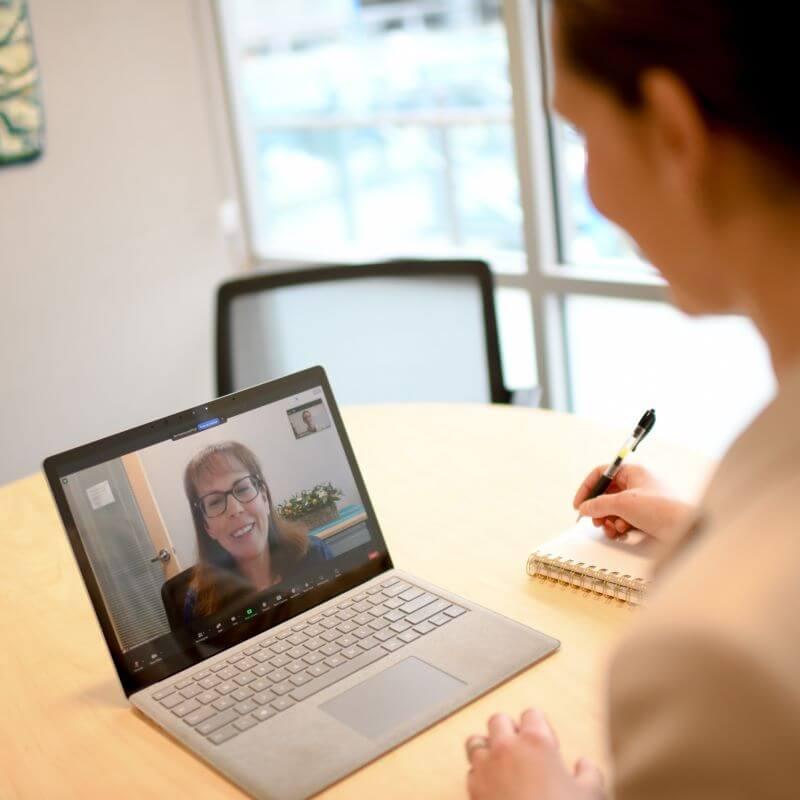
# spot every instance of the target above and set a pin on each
(110, 245)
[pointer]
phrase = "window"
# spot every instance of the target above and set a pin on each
(385, 127)
(370, 129)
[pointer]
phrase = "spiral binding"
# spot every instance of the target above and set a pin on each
(592, 579)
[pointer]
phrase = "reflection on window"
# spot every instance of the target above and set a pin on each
(375, 124)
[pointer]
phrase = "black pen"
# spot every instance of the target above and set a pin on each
(643, 427)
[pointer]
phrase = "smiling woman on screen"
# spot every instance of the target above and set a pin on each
(243, 546)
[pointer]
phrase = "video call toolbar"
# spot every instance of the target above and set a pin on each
(158, 650)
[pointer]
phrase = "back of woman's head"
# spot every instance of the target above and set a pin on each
(735, 58)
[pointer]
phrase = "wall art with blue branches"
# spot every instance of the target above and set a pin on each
(21, 112)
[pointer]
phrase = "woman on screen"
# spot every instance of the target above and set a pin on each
(309, 422)
(243, 546)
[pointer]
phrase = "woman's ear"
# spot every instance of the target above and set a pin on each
(678, 136)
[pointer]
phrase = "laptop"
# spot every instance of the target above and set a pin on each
(248, 598)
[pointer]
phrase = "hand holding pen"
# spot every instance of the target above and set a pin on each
(621, 496)
(643, 427)
(634, 498)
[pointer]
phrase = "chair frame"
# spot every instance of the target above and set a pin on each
(479, 270)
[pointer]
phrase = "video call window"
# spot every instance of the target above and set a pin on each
(309, 418)
(232, 513)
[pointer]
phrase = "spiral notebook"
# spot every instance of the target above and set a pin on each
(584, 557)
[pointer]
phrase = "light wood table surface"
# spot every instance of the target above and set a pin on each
(463, 494)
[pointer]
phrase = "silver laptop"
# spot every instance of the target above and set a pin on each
(249, 601)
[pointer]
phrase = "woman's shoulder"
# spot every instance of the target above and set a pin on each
(230, 586)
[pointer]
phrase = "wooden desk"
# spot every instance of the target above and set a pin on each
(463, 493)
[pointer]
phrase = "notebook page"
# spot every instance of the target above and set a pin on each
(631, 556)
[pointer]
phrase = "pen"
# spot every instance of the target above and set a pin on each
(643, 427)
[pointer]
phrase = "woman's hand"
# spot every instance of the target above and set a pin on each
(635, 499)
(522, 761)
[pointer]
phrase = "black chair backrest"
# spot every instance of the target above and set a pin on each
(420, 292)
(173, 596)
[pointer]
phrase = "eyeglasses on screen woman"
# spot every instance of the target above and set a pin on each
(214, 504)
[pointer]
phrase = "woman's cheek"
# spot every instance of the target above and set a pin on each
(596, 183)
(603, 186)
(617, 180)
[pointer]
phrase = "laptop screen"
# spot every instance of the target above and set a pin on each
(233, 518)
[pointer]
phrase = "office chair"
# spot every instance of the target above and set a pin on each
(173, 596)
(400, 331)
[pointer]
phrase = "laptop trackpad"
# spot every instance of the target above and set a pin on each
(392, 697)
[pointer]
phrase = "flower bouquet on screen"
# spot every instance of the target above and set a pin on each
(312, 507)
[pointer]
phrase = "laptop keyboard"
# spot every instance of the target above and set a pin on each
(261, 680)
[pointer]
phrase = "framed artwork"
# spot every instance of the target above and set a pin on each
(21, 112)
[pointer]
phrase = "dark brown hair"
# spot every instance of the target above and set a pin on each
(288, 542)
(736, 58)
